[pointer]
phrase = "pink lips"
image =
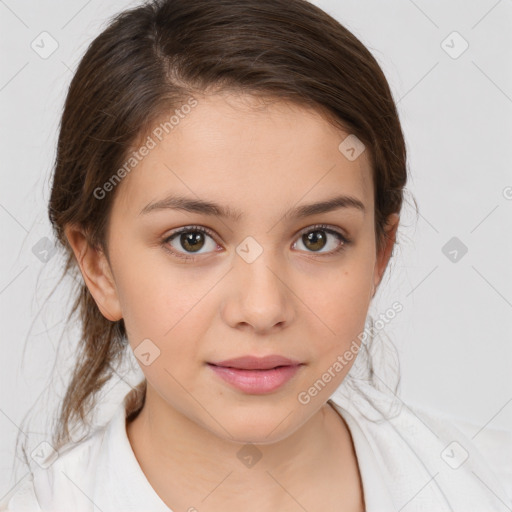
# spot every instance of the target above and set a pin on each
(256, 375)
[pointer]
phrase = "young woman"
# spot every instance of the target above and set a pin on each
(229, 180)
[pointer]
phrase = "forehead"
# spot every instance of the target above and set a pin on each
(246, 153)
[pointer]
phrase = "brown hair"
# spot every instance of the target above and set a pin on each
(148, 61)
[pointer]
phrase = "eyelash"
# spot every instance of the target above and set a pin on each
(317, 227)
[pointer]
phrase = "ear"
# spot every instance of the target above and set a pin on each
(384, 254)
(96, 272)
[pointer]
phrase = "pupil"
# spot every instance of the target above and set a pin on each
(317, 238)
(193, 239)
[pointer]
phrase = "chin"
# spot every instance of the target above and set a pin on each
(257, 426)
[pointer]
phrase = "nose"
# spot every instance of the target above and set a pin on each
(258, 296)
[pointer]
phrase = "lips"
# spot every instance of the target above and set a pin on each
(257, 363)
(266, 375)
(256, 375)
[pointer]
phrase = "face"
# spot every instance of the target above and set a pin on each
(196, 287)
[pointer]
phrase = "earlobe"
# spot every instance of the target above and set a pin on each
(96, 273)
(385, 253)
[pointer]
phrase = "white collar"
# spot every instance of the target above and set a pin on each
(400, 461)
(138, 493)
(134, 493)
(376, 495)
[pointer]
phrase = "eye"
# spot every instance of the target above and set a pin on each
(317, 237)
(192, 239)
(186, 242)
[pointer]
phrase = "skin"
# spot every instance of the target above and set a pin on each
(294, 300)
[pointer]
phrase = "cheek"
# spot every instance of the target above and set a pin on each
(345, 294)
(341, 307)
(154, 292)
(164, 317)
(171, 307)
(342, 312)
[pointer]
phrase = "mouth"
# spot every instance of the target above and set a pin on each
(257, 376)
(257, 363)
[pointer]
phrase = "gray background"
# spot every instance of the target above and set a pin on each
(454, 333)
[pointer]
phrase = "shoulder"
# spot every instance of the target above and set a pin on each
(51, 481)
(490, 447)
(22, 498)
(420, 449)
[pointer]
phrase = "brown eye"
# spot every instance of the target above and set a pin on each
(189, 240)
(192, 241)
(314, 239)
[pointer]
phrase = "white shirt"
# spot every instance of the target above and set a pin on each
(414, 462)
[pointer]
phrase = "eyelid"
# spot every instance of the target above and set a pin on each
(326, 227)
(192, 227)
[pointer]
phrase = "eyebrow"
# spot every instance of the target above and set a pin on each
(210, 208)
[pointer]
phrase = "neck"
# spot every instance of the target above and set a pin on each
(171, 447)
